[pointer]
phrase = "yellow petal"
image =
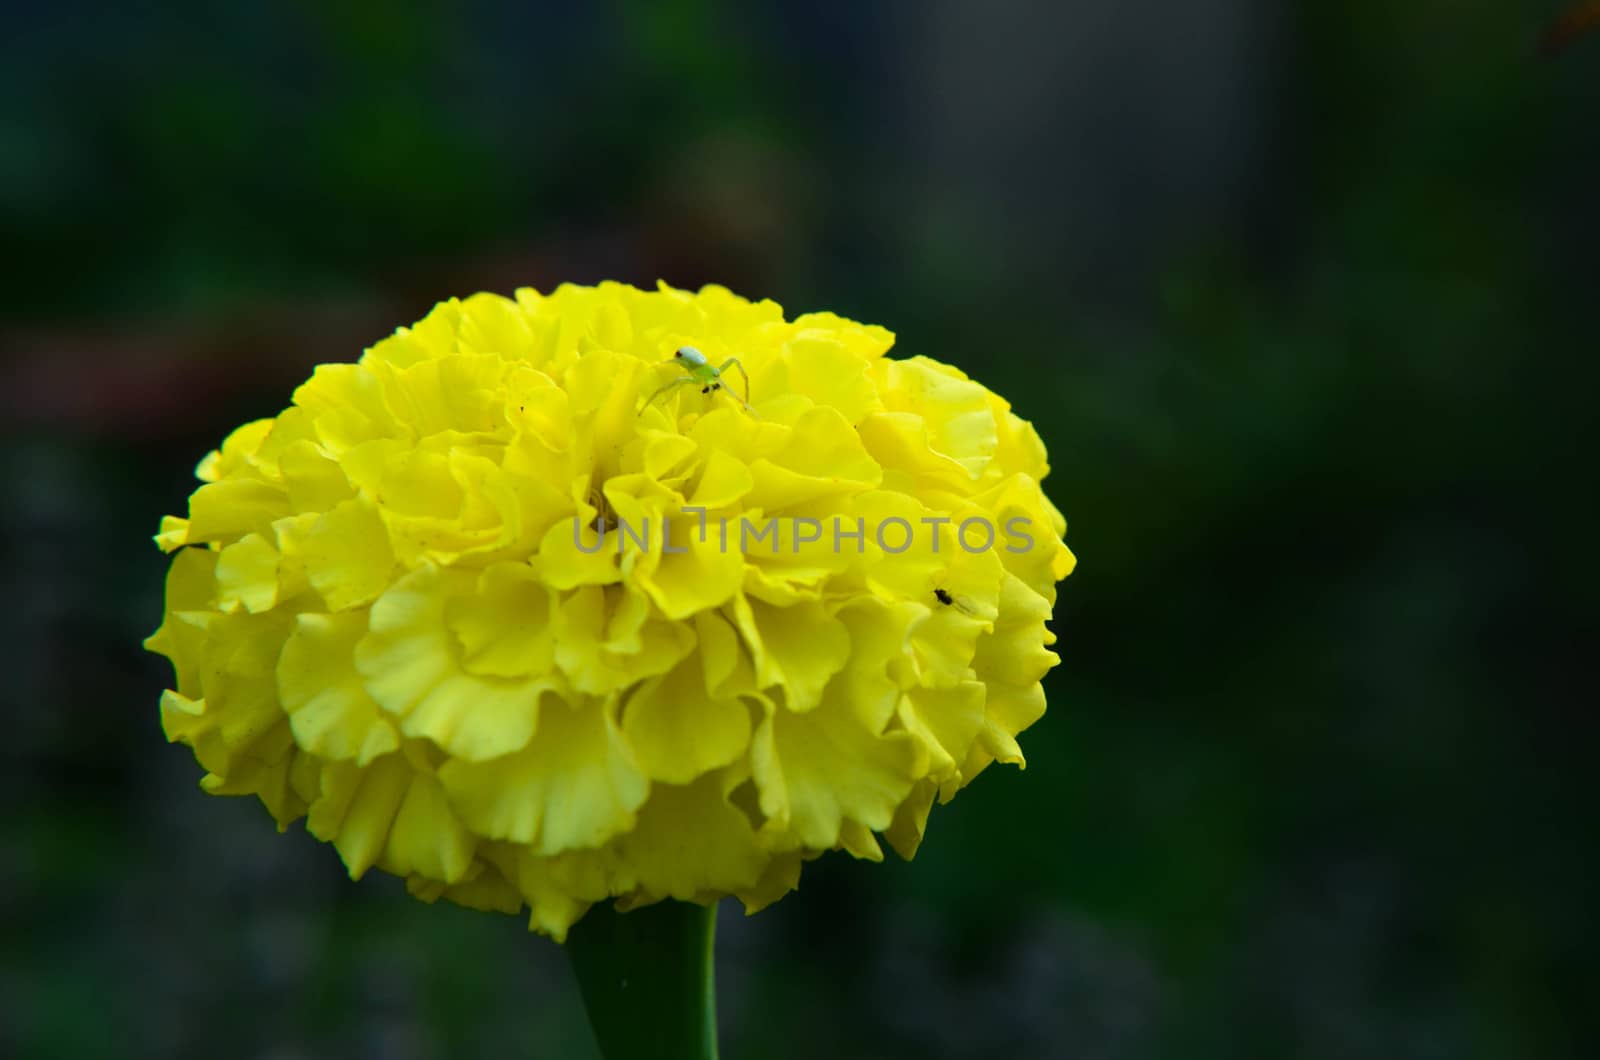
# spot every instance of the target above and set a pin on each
(678, 730)
(1011, 660)
(859, 841)
(174, 533)
(191, 587)
(796, 648)
(911, 820)
(357, 807)
(955, 410)
(270, 780)
(574, 786)
(824, 368)
(823, 457)
(576, 551)
(410, 666)
(237, 450)
(484, 888)
(427, 838)
(459, 392)
(329, 710)
(947, 720)
(496, 325)
(691, 843)
(241, 719)
(314, 480)
(223, 511)
(346, 405)
(867, 341)
(700, 577)
(347, 555)
(817, 769)
(507, 627)
(878, 634)
(247, 574)
(781, 876)
(728, 670)
(1007, 711)
(723, 480)
(606, 640)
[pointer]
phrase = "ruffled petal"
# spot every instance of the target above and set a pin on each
(226, 510)
(347, 555)
(411, 668)
(573, 787)
(797, 649)
(679, 730)
(692, 844)
(818, 769)
(507, 627)
(321, 690)
(247, 575)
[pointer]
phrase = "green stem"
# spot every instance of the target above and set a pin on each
(647, 980)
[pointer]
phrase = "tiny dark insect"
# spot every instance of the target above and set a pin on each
(949, 599)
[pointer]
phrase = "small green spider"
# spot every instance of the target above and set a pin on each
(701, 374)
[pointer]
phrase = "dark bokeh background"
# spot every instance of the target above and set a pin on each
(1300, 296)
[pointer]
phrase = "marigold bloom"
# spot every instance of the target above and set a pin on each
(404, 620)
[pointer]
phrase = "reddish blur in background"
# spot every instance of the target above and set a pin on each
(1300, 297)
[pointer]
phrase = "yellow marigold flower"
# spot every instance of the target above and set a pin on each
(495, 621)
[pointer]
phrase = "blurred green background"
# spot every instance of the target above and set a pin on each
(1300, 297)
